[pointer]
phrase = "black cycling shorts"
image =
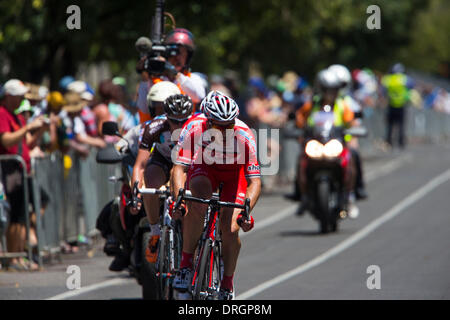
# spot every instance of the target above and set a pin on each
(159, 160)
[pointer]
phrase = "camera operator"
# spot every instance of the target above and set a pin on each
(179, 49)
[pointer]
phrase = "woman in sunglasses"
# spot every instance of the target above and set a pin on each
(156, 139)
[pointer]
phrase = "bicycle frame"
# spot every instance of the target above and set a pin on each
(210, 241)
(173, 228)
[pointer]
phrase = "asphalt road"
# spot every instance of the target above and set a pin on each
(403, 230)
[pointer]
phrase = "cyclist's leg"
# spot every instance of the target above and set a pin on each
(156, 174)
(154, 177)
(201, 187)
(234, 190)
(231, 244)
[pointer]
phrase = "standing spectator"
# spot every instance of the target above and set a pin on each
(76, 128)
(58, 136)
(103, 98)
(398, 87)
(16, 139)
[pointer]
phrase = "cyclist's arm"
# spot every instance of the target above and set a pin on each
(178, 178)
(144, 151)
(139, 166)
(253, 190)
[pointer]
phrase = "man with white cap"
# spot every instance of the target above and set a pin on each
(16, 139)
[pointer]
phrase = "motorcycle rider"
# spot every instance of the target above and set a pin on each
(345, 77)
(327, 91)
(155, 147)
(180, 48)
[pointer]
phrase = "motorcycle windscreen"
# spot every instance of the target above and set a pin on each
(323, 121)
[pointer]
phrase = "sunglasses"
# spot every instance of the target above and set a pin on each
(221, 126)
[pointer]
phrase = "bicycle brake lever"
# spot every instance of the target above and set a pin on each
(245, 213)
(179, 199)
(135, 200)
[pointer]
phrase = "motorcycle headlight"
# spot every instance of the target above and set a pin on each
(314, 149)
(333, 149)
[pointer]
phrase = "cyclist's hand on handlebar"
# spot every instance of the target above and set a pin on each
(245, 224)
(134, 209)
(179, 212)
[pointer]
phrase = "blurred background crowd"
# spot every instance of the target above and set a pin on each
(73, 114)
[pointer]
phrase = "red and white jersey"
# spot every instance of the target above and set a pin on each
(225, 150)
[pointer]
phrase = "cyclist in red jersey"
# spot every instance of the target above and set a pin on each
(215, 147)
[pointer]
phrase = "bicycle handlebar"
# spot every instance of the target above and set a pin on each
(182, 195)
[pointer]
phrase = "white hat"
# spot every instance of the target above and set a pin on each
(77, 86)
(160, 91)
(87, 96)
(14, 87)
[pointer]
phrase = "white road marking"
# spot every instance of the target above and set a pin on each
(393, 212)
(370, 176)
(83, 290)
(289, 211)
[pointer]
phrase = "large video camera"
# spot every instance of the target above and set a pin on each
(151, 51)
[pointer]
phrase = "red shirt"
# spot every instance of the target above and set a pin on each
(196, 146)
(8, 123)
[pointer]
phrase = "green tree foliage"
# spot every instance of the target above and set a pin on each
(300, 35)
(430, 48)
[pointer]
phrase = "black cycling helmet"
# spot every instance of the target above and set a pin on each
(178, 106)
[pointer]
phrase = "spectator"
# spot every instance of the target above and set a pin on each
(398, 87)
(102, 99)
(16, 138)
(58, 136)
(76, 129)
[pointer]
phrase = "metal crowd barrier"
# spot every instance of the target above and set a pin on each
(78, 189)
(5, 254)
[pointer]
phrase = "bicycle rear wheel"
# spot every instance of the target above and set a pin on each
(164, 263)
(174, 253)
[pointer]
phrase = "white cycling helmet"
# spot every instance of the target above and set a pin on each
(327, 79)
(160, 91)
(219, 106)
(342, 73)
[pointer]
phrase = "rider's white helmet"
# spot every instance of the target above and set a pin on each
(218, 106)
(342, 73)
(327, 79)
(160, 91)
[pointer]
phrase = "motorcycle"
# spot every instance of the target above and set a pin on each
(326, 168)
(132, 231)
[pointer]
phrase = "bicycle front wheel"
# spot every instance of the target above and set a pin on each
(209, 273)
